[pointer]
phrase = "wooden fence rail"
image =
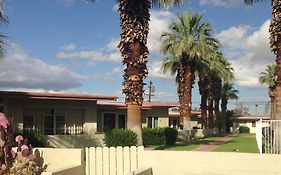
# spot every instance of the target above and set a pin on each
(112, 161)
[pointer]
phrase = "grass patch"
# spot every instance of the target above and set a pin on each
(245, 143)
(188, 146)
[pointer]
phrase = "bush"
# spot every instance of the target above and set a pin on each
(244, 129)
(34, 138)
(153, 136)
(120, 137)
(171, 136)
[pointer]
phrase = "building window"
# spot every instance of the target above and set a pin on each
(60, 125)
(253, 123)
(122, 121)
(54, 121)
(28, 123)
(174, 122)
(152, 122)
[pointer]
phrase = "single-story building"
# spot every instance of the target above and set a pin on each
(175, 122)
(75, 120)
(249, 121)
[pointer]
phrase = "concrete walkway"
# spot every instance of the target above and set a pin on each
(213, 145)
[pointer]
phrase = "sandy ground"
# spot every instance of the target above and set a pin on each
(211, 163)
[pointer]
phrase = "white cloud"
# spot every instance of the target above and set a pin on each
(249, 52)
(112, 45)
(159, 23)
(69, 47)
(221, 3)
(19, 70)
(155, 70)
(93, 56)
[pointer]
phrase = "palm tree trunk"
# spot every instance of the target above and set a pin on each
(210, 113)
(217, 114)
(204, 111)
(275, 43)
(186, 101)
(223, 115)
(134, 123)
(134, 22)
(278, 86)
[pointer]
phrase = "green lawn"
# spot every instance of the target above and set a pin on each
(245, 143)
(189, 146)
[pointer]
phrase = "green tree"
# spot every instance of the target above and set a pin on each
(228, 93)
(134, 22)
(188, 42)
(268, 77)
(275, 44)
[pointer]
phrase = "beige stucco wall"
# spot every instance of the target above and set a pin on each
(236, 125)
(14, 108)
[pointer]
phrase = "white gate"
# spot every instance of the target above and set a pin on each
(113, 161)
(268, 136)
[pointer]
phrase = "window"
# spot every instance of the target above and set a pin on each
(60, 125)
(253, 123)
(152, 122)
(174, 122)
(49, 125)
(122, 121)
(27, 123)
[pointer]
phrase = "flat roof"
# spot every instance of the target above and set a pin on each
(145, 104)
(250, 118)
(49, 95)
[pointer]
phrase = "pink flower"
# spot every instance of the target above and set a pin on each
(4, 122)
(2, 115)
(3, 166)
(31, 157)
(19, 138)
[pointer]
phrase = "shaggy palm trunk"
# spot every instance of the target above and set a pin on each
(210, 112)
(271, 93)
(275, 43)
(223, 115)
(203, 106)
(186, 100)
(217, 122)
(134, 22)
(204, 111)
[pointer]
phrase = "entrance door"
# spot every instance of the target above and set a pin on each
(109, 121)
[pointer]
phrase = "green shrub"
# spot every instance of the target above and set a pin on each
(244, 129)
(171, 136)
(120, 137)
(153, 136)
(34, 138)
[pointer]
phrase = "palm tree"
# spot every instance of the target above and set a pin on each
(228, 93)
(186, 44)
(268, 77)
(3, 20)
(134, 22)
(275, 44)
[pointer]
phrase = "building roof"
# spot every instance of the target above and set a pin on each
(177, 114)
(145, 105)
(250, 118)
(48, 95)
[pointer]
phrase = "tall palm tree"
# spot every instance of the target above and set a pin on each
(275, 44)
(228, 93)
(188, 42)
(134, 22)
(3, 20)
(268, 77)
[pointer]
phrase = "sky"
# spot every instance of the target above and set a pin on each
(71, 46)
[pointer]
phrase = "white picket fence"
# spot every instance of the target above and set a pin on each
(113, 161)
(268, 136)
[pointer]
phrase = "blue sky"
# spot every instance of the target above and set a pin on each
(70, 46)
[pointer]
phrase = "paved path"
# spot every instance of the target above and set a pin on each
(213, 145)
